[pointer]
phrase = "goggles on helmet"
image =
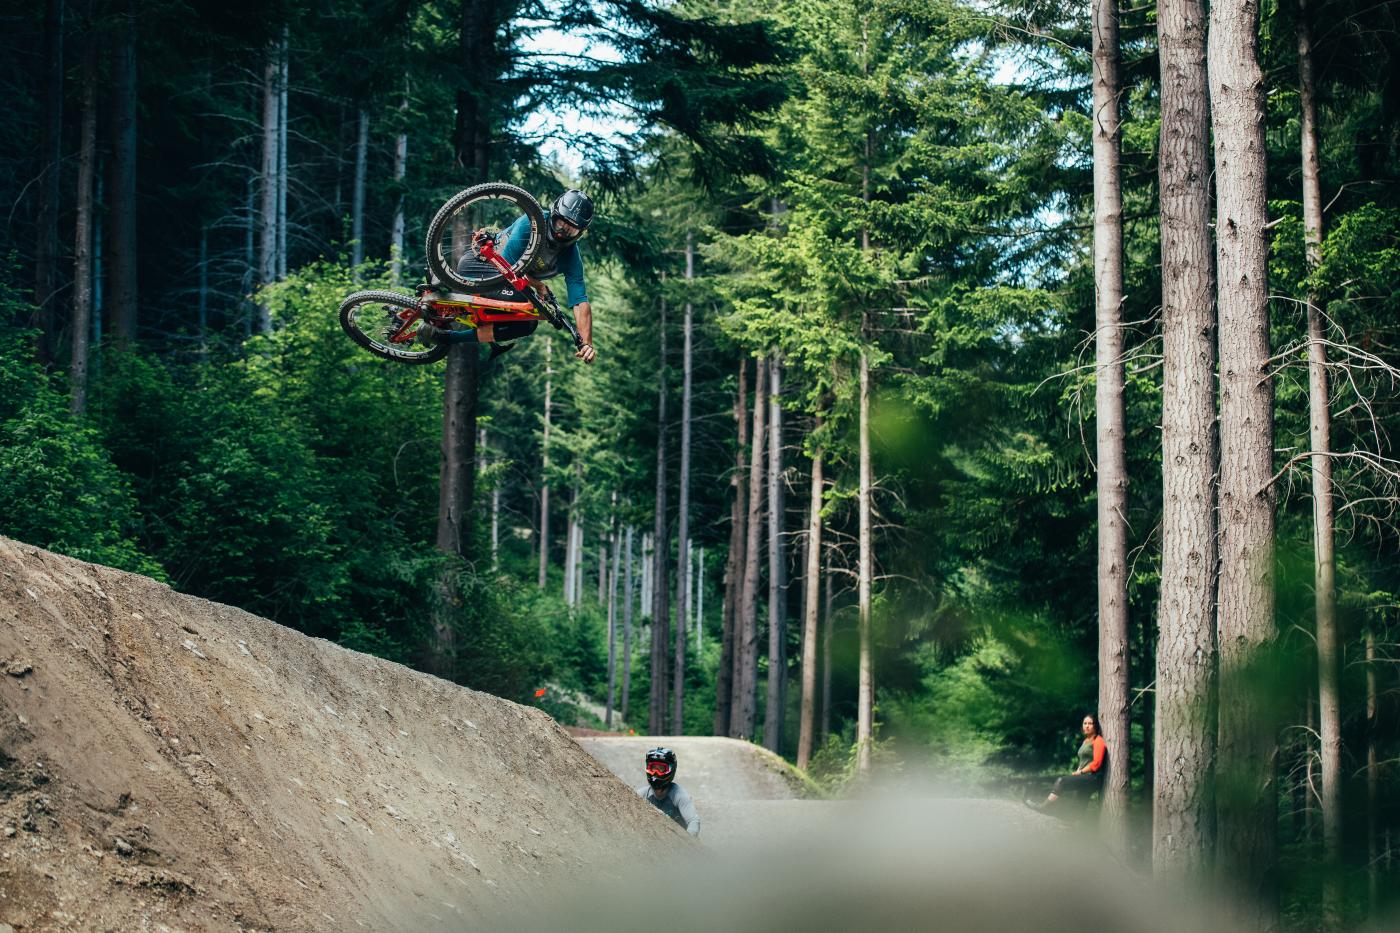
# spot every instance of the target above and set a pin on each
(658, 769)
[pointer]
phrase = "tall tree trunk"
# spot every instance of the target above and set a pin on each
(46, 251)
(811, 604)
(83, 233)
(203, 310)
(1246, 848)
(1183, 821)
(865, 704)
(612, 623)
(699, 599)
(1109, 421)
(571, 553)
(734, 560)
(544, 464)
(357, 194)
(627, 628)
(660, 608)
(743, 706)
(777, 634)
(602, 566)
(683, 603)
(396, 244)
(121, 208)
(283, 84)
(1373, 853)
(1320, 431)
(267, 205)
(646, 575)
(828, 623)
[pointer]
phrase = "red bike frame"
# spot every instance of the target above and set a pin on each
(479, 309)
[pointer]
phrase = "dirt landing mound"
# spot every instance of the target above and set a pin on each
(168, 762)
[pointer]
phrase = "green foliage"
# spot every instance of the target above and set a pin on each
(58, 487)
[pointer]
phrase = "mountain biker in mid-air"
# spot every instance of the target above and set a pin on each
(565, 224)
(664, 794)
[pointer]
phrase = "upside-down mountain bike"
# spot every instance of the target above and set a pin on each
(470, 283)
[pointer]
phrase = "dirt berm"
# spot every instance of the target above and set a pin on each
(171, 763)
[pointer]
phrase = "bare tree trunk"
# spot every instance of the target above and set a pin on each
(121, 209)
(1246, 847)
(267, 207)
(83, 233)
(1183, 824)
(46, 251)
(700, 599)
(1320, 431)
(683, 603)
(1109, 420)
(612, 624)
(777, 634)
(646, 575)
(828, 617)
(602, 566)
(660, 608)
(357, 193)
(544, 463)
(743, 706)
(203, 312)
(734, 561)
(627, 628)
(865, 704)
(811, 604)
(282, 170)
(571, 553)
(396, 244)
(1372, 778)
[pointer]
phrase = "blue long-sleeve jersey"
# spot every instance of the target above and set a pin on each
(551, 260)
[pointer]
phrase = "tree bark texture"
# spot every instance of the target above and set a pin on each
(777, 634)
(1246, 846)
(396, 242)
(544, 464)
(1324, 519)
(83, 231)
(660, 597)
(828, 619)
(1114, 683)
(458, 467)
(357, 194)
(743, 705)
(267, 202)
(1184, 736)
(121, 207)
(628, 593)
(812, 580)
(734, 561)
(683, 603)
(46, 251)
(612, 631)
(865, 699)
(283, 85)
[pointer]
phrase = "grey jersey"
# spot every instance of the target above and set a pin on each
(676, 804)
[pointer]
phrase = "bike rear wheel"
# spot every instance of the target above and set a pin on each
(386, 324)
(493, 207)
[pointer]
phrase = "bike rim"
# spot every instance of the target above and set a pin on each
(494, 212)
(389, 327)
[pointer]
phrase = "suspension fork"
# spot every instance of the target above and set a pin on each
(549, 310)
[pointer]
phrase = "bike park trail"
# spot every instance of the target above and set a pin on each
(170, 763)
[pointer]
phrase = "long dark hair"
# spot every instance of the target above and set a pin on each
(1098, 729)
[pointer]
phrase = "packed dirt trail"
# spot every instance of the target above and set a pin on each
(171, 763)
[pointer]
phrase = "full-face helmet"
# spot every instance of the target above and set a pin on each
(661, 768)
(570, 215)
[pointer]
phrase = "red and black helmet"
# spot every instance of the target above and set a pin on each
(661, 768)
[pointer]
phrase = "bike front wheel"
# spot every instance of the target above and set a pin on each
(493, 207)
(386, 324)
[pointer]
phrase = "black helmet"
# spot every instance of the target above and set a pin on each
(575, 207)
(661, 768)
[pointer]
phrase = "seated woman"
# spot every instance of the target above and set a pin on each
(1088, 777)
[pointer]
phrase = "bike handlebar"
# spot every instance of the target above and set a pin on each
(485, 245)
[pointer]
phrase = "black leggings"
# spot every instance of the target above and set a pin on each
(1077, 785)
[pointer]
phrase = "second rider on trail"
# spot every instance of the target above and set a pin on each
(565, 224)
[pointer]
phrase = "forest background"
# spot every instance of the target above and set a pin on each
(858, 424)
